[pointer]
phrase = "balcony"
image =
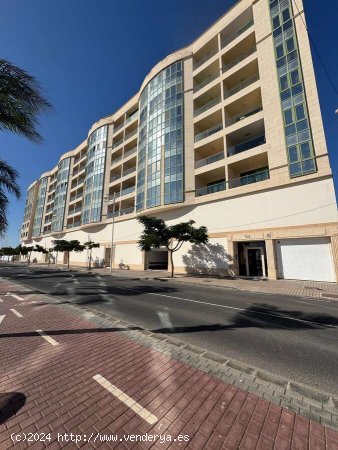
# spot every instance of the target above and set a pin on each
(75, 197)
(203, 83)
(114, 177)
(130, 152)
(132, 117)
(74, 211)
(207, 106)
(205, 58)
(227, 39)
(217, 187)
(239, 59)
(246, 145)
(74, 224)
(128, 171)
(117, 143)
(118, 128)
(116, 160)
(126, 191)
(121, 212)
(243, 115)
(208, 132)
(254, 177)
(239, 87)
(130, 134)
(209, 160)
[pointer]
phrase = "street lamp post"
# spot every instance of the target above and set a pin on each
(107, 199)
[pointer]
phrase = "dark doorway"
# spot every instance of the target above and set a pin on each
(255, 262)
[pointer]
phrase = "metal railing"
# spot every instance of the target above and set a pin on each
(130, 152)
(255, 177)
(207, 106)
(243, 115)
(208, 80)
(116, 160)
(74, 211)
(210, 189)
(129, 135)
(209, 160)
(205, 58)
(240, 58)
(225, 41)
(114, 177)
(118, 128)
(78, 183)
(116, 144)
(246, 145)
(75, 197)
(125, 191)
(208, 132)
(239, 87)
(128, 171)
(75, 172)
(132, 117)
(75, 224)
(121, 212)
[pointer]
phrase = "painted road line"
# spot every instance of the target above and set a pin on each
(2, 318)
(278, 316)
(1, 301)
(14, 311)
(48, 338)
(124, 398)
(17, 297)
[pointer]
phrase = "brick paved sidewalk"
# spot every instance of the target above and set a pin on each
(48, 388)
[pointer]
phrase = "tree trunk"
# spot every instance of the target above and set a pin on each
(68, 259)
(172, 263)
(56, 258)
(90, 260)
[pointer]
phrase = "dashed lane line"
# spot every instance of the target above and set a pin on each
(14, 311)
(17, 297)
(2, 318)
(48, 338)
(124, 398)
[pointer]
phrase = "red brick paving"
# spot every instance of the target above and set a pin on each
(62, 397)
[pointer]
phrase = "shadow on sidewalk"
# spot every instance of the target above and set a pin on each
(10, 404)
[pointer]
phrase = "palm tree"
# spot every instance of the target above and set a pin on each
(21, 101)
(8, 184)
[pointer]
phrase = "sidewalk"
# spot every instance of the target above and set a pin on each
(309, 289)
(62, 373)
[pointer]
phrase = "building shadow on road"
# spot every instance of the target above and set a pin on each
(10, 404)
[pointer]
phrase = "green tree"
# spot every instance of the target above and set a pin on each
(158, 234)
(8, 185)
(89, 245)
(21, 101)
(62, 245)
(26, 251)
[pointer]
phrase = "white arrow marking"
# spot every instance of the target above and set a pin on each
(2, 318)
(14, 311)
(17, 297)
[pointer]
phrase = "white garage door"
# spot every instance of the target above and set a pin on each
(305, 259)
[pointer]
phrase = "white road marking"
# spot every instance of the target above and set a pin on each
(2, 318)
(165, 319)
(17, 297)
(14, 311)
(124, 398)
(98, 276)
(243, 309)
(48, 338)
(1, 301)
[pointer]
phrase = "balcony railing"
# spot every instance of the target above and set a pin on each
(243, 115)
(119, 127)
(233, 36)
(132, 117)
(209, 160)
(115, 177)
(116, 160)
(75, 224)
(78, 183)
(255, 177)
(240, 58)
(74, 211)
(75, 172)
(246, 145)
(210, 189)
(205, 58)
(207, 106)
(208, 80)
(116, 144)
(130, 152)
(125, 191)
(128, 171)
(239, 87)
(75, 197)
(208, 132)
(129, 135)
(121, 212)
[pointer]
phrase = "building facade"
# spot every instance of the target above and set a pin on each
(227, 132)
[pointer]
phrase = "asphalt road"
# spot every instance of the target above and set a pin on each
(288, 336)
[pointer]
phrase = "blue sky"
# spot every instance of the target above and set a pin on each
(92, 56)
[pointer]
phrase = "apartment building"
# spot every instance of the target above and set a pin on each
(227, 132)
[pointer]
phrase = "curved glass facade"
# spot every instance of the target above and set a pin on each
(160, 151)
(60, 195)
(96, 157)
(40, 204)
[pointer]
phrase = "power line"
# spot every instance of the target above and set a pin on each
(317, 52)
